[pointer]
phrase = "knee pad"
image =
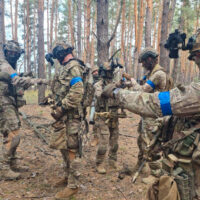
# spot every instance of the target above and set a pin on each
(101, 150)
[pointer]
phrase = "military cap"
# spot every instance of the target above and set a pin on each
(146, 53)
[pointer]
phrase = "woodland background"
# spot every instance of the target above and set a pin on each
(99, 28)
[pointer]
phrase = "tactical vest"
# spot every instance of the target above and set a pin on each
(61, 84)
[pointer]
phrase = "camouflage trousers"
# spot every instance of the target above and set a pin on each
(9, 136)
(108, 136)
(65, 139)
(147, 129)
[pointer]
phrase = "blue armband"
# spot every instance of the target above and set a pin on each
(165, 105)
(144, 78)
(13, 75)
(75, 80)
(151, 84)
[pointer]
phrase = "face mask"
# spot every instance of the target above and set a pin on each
(12, 58)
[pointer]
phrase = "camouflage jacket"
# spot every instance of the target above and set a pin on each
(103, 104)
(67, 87)
(155, 80)
(181, 101)
(12, 86)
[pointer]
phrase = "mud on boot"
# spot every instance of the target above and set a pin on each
(9, 175)
(65, 193)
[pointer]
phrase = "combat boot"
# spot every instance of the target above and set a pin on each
(62, 182)
(101, 169)
(15, 166)
(112, 164)
(10, 175)
(67, 192)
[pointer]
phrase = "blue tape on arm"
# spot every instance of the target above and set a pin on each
(165, 105)
(151, 84)
(13, 75)
(144, 78)
(75, 80)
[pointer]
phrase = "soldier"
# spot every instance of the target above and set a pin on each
(156, 80)
(106, 119)
(12, 88)
(68, 111)
(95, 74)
(182, 144)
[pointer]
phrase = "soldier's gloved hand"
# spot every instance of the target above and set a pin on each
(110, 90)
(57, 113)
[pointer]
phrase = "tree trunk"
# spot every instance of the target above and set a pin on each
(88, 50)
(93, 38)
(16, 21)
(2, 28)
(41, 73)
(34, 40)
(164, 35)
(148, 23)
(79, 27)
(56, 21)
(28, 56)
(159, 24)
(11, 17)
(70, 21)
(102, 31)
(123, 26)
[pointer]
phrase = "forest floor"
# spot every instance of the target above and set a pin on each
(45, 165)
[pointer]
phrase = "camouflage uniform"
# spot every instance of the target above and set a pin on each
(68, 90)
(95, 129)
(11, 92)
(182, 144)
(107, 125)
(156, 80)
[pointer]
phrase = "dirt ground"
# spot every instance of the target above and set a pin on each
(45, 165)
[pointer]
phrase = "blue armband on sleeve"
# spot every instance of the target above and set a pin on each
(13, 75)
(144, 78)
(151, 84)
(165, 105)
(75, 80)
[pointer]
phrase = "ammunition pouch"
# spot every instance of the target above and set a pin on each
(58, 137)
(186, 146)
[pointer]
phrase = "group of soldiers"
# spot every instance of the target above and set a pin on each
(168, 138)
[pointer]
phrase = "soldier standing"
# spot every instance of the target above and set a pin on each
(95, 74)
(156, 80)
(107, 123)
(68, 92)
(183, 143)
(11, 92)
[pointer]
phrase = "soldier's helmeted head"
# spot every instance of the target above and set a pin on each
(12, 52)
(95, 71)
(61, 50)
(148, 57)
(195, 51)
(106, 71)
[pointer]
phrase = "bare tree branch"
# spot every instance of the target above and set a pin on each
(116, 25)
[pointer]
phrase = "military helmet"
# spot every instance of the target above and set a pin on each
(12, 45)
(146, 53)
(107, 66)
(95, 68)
(195, 45)
(62, 49)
